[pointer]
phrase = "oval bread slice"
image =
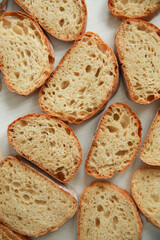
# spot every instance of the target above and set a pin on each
(134, 8)
(107, 212)
(150, 152)
(85, 79)
(63, 19)
(12, 235)
(32, 204)
(47, 142)
(138, 50)
(26, 56)
(116, 142)
(146, 192)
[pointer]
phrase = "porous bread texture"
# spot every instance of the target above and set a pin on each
(150, 152)
(30, 203)
(85, 79)
(107, 212)
(138, 50)
(63, 19)
(142, 9)
(12, 235)
(116, 142)
(26, 56)
(3, 236)
(47, 142)
(146, 192)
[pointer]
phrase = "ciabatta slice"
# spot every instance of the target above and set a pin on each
(138, 50)
(32, 204)
(107, 212)
(26, 55)
(150, 152)
(145, 9)
(63, 19)
(116, 142)
(48, 142)
(146, 192)
(83, 82)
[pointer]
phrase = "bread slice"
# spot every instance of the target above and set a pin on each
(107, 212)
(138, 50)
(85, 79)
(150, 152)
(146, 192)
(10, 234)
(47, 142)
(116, 142)
(32, 204)
(26, 56)
(145, 9)
(63, 19)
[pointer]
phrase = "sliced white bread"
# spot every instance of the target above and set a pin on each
(116, 142)
(30, 203)
(138, 50)
(63, 19)
(48, 142)
(83, 82)
(144, 9)
(26, 56)
(12, 235)
(146, 192)
(107, 212)
(150, 152)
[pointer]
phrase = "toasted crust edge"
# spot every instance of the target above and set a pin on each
(35, 162)
(108, 97)
(52, 183)
(19, 237)
(146, 16)
(96, 175)
(123, 192)
(47, 43)
(82, 30)
(146, 139)
(134, 194)
(130, 94)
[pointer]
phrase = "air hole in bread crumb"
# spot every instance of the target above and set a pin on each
(23, 123)
(19, 218)
(60, 176)
(82, 90)
(76, 73)
(99, 208)
(16, 184)
(115, 219)
(98, 71)
(74, 15)
(65, 84)
(59, 125)
(72, 101)
(40, 202)
(121, 152)
(32, 26)
(68, 131)
(61, 22)
(102, 47)
(97, 221)
(112, 129)
(130, 143)
(150, 98)
(28, 52)
(125, 121)
(88, 69)
(115, 199)
(116, 117)
(16, 74)
(89, 109)
(100, 83)
(26, 197)
(17, 30)
(6, 188)
(61, 9)
(52, 144)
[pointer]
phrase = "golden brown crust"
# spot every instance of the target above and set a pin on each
(135, 198)
(145, 142)
(48, 44)
(127, 84)
(146, 16)
(35, 162)
(52, 183)
(96, 175)
(53, 33)
(109, 95)
(12, 234)
(119, 190)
